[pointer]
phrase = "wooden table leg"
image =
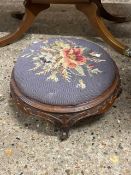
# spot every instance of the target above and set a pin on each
(31, 11)
(92, 11)
(106, 15)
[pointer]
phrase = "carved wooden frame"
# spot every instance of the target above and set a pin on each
(66, 116)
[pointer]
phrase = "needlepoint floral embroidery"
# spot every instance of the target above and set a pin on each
(66, 59)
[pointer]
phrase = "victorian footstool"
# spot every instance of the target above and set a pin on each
(65, 80)
(93, 9)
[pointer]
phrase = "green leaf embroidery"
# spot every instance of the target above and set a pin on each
(80, 70)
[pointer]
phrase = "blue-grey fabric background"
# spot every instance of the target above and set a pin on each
(63, 92)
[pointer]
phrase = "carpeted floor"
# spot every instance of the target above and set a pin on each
(98, 146)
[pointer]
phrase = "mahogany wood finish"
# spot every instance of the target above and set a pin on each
(31, 12)
(66, 116)
(106, 15)
(93, 9)
(93, 13)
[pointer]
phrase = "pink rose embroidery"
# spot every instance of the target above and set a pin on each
(73, 57)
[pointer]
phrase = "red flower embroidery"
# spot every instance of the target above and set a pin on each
(73, 57)
(65, 58)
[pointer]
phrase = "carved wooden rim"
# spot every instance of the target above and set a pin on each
(65, 108)
(66, 120)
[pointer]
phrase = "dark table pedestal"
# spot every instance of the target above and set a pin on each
(94, 11)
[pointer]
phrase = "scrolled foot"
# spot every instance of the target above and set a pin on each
(64, 134)
(127, 52)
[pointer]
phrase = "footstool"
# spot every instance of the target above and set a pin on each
(64, 80)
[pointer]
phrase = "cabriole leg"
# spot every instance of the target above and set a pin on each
(92, 11)
(31, 11)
